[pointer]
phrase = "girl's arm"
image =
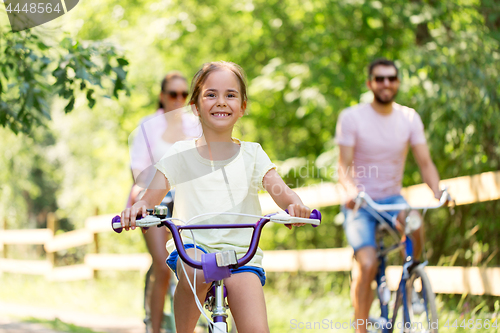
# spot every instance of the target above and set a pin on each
(155, 193)
(284, 197)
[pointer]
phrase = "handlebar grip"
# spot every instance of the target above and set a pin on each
(116, 224)
(315, 214)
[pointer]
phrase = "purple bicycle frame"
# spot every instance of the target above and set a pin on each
(315, 214)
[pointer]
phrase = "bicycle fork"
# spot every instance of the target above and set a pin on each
(218, 308)
(402, 295)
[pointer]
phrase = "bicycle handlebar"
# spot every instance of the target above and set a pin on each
(283, 218)
(363, 196)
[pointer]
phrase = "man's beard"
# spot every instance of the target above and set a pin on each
(385, 102)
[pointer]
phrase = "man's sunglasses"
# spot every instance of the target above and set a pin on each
(381, 79)
(174, 94)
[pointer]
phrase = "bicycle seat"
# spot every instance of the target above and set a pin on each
(382, 230)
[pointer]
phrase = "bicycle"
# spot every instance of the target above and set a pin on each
(414, 292)
(168, 320)
(215, 266)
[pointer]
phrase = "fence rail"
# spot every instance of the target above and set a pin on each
(455, 280)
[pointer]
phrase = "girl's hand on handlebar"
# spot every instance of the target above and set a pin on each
(298, 210)
(128, 215)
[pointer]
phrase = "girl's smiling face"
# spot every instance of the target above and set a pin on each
(220, 102)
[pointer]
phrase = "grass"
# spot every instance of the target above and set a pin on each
(114, 293)
(316, 302)
(58, 325)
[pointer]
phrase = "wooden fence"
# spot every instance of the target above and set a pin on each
(465, 190)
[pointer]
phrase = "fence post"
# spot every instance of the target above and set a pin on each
(96, 243)
(53, 226)
(4, 247)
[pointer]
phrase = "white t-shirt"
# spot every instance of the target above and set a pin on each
(205, 186)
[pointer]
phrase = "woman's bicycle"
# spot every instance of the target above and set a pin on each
(168, 320)
(414, 293)
(215, 266)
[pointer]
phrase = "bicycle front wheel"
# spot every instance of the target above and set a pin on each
(421, 303)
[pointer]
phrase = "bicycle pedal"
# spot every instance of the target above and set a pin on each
(149, 327)
(418, 308)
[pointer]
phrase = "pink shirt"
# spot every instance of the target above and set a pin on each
(146, 144)
(380, 145)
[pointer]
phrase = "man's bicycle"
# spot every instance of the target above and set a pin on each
(414, 295)
(215, 266)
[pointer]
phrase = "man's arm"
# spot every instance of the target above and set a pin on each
(428, 170)
(345, 174)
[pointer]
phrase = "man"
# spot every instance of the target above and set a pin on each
(374, 140)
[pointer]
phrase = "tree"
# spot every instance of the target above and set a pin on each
(306, 61)
(34, 69)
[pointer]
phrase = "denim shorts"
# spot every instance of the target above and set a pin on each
(360, 232)
(174, 256)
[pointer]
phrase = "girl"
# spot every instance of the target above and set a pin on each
(212, 174)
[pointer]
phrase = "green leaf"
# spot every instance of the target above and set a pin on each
(90, 99)
(69, 107)
(42, 46)
(81, 73)
(107, 69)
(122, 61)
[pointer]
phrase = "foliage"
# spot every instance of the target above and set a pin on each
(34, 67)
(37, 66)
(305, 61)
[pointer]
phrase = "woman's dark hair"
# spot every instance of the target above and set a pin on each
(169, 77)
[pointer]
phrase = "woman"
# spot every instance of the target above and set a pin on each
(154, 136)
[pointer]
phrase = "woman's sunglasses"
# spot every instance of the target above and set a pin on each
(174, 94)
(381, 79)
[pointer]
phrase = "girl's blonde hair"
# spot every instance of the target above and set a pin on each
(201, 76)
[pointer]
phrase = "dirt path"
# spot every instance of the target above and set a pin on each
(11, 316)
